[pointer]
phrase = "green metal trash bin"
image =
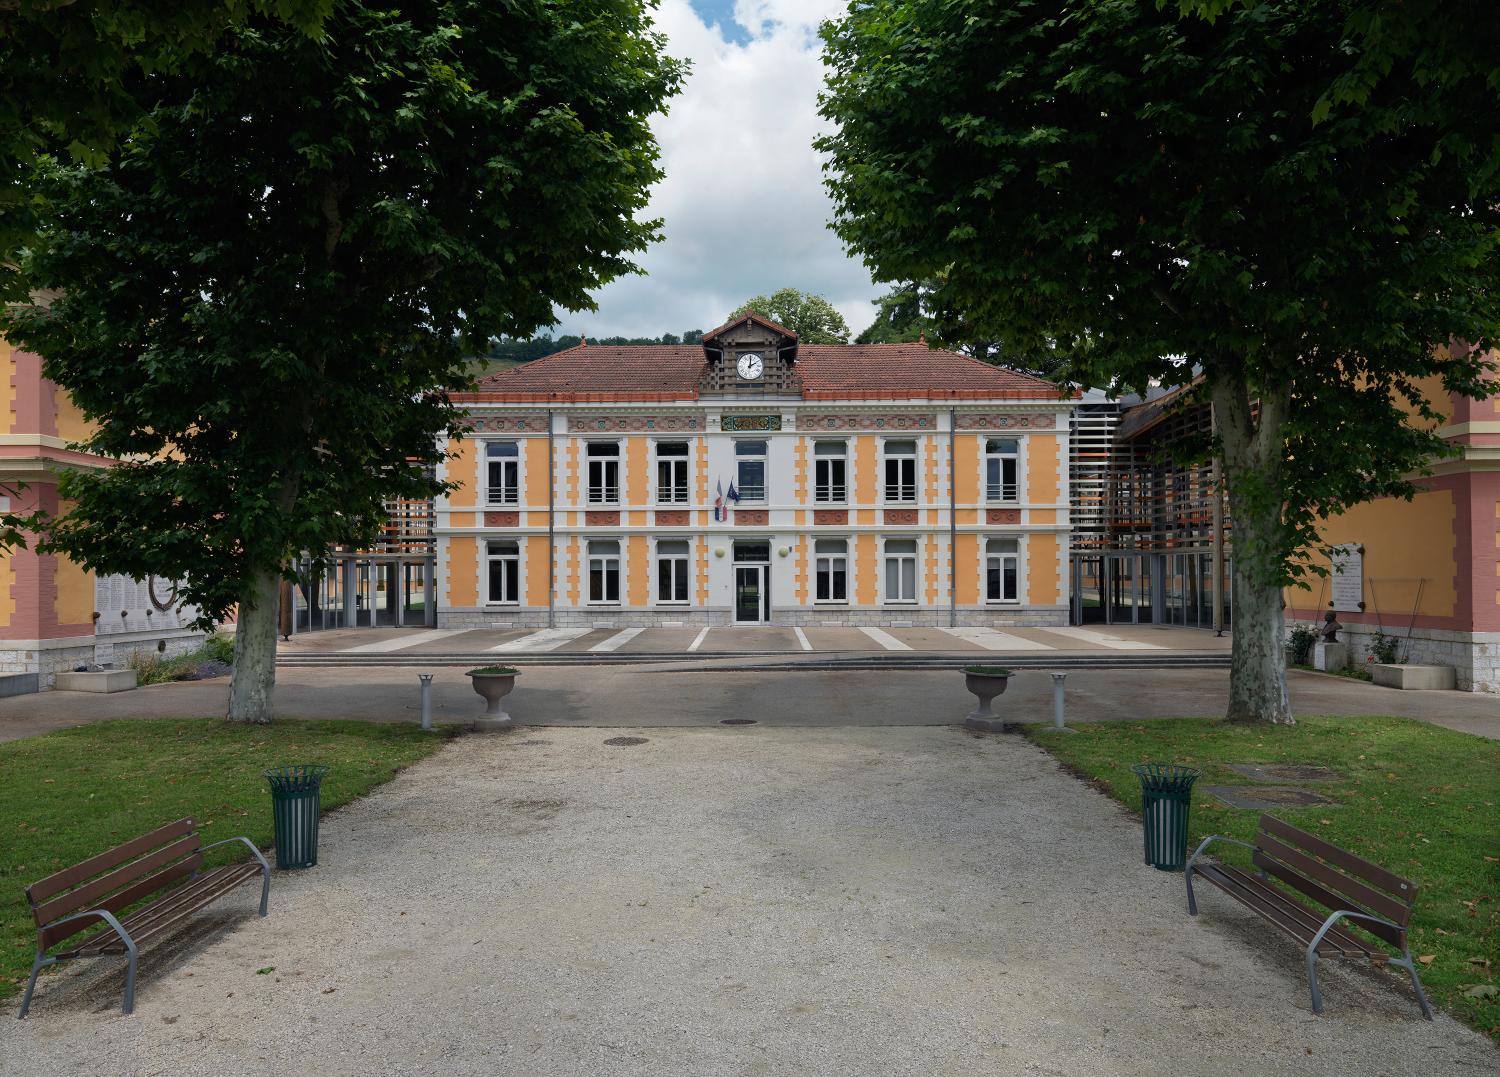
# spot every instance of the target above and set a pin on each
(1166, 796)
(296, 803)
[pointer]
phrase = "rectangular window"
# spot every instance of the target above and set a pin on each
(672, 472)
(831, 569)
(603, 472)
(1002, 569)
(672, 571)
(830, 472)
(505, 573)
(604, 570)
(502, 472)
(901, 570)
(1001, 469)
(901, 471)
(750, 470)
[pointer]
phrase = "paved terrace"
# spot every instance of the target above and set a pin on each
(702, 642)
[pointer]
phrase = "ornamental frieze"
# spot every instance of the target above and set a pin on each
(750, 423)
(1003, 421)
(870, 421)
(510, 424)
(675, 423)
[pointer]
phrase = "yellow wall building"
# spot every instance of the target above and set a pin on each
(756, 480)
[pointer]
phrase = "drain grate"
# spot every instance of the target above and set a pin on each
(737, 721)
(625, 742)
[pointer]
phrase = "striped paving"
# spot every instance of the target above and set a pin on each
(992, 640)
(885, 639)
(1103, 639)
(547, 639)
(401, 643)
(618, 640)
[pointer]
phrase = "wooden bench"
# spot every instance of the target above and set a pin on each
(1350, 890)
(166, 863)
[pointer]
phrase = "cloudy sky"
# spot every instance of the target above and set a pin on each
(750, 216)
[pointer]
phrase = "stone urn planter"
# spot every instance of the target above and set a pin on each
(986, 682)
(494, 683)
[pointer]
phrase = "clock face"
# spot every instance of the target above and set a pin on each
(750, 367)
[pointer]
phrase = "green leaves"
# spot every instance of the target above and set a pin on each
(265, 296)
(811, 317)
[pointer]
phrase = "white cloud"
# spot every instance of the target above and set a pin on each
(743, 201)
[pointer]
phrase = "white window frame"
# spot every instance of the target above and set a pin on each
(685, 461)
(491, 559)
(819, 485)
(604, 463)
(995, 496)
(887, 556)
(1017, 555)
(886, 458)
(515, 487)
(687, 571)
(604, 558)
(765, 469)
(818, 558)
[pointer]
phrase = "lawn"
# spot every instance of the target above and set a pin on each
(1415, 798)
(67, 795)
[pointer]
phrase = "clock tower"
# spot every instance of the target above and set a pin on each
(750, 354)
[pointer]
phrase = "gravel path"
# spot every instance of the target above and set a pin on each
(756, 900)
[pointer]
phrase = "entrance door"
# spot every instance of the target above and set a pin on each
(750, 594)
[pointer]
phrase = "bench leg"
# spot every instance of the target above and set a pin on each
(128, 1006)
(1192, 901)
(1416, 983)
(36, 967)
(1312, 978)
(265, 889)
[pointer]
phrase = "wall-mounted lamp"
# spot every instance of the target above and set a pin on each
(783, 551)
(719, 552)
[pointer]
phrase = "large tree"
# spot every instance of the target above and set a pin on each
(1155, 191)
(261, 301)
(811, 317)
(74, 79)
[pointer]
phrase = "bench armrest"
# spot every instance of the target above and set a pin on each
(1342, 914)
(97, 914)
(250, 844)
(1204, 844)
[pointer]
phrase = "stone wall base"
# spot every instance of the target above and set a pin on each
(1474, 656)
(832, 617)
(47, 658)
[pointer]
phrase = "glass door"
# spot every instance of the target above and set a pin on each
(749, 594)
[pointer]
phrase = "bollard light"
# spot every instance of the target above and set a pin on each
(426, 679)
(1057, 699)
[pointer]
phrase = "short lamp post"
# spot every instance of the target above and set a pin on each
(1057, 699)
(426, 679)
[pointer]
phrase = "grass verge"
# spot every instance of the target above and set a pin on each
(1415, 798)
(67, 795)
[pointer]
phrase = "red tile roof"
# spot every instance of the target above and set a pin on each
(828, 372)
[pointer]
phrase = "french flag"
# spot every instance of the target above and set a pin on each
(719, 501)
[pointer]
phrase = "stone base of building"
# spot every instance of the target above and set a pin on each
(47, 657)
(831, 617)
(1474, 656)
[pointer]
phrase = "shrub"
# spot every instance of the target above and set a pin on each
(1383, 648)
(217, 648)
(1300, 644)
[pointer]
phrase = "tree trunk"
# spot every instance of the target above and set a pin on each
(1253, 448)
(1257, 661)
(254, 680)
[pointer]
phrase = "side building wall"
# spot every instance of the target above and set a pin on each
(950, 549)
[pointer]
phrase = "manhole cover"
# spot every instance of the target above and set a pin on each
(625, 742)
(1266, 796)
(736, 721)
(1285, 772)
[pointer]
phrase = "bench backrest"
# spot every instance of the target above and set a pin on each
(114, 880)
(1335, 878)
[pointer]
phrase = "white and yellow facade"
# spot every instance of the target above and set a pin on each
(878, 485)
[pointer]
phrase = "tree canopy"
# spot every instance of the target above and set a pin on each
(1151, 191)
(263, 299)
(811, 317)
(76, 76)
